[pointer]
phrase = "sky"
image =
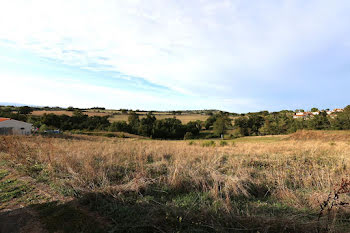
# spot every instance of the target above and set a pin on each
(232, 55)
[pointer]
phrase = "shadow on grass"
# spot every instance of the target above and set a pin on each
(159, 211)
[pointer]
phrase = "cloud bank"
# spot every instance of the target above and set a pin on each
(224, 53)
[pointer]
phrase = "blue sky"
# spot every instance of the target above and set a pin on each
(232, 55)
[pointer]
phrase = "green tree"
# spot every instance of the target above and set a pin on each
(319, 122)
(241, 123)
(120, 126)
(134, 122)
(210, 121)
(314, 110)
(146, 125)
(25, 110)
(221, 125)
(347, 108)
(342, 120)
(255, 122)
(194, 127)
(168, 128)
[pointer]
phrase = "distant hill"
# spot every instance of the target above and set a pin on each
(17, 104)
(12, 104)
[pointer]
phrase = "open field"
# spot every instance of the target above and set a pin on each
(252, 184)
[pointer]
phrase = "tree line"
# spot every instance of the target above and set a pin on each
(150, 126)
(216, 125)
(284, 123)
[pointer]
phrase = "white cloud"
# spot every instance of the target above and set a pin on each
(55, 91)
(193, 47)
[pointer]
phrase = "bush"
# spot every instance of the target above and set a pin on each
(119, 126)
(188, 135)
(209, 143)
(223, 143)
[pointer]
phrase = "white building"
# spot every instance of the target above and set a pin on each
(14, 127)
(302, 115)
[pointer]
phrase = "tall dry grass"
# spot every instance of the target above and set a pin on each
(296, 172)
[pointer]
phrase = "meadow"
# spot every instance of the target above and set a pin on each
(251, 184)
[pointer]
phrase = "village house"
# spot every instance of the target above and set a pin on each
(338, 110)
(305, 115)
(13, 127)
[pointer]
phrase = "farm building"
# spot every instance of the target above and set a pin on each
(13, 127)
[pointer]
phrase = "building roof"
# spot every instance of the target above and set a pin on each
(4, 119)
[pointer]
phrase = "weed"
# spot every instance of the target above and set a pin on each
(223, 143)
(12, 188)
(3, 173)
(191, 143)
(333, 201)
(208, 144)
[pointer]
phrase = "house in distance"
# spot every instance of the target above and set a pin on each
(13, 127)
(306, 115)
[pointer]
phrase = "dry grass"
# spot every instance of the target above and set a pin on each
(295, 173)
(326, 135)
(280, 166)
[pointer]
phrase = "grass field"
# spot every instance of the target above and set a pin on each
(252, 184)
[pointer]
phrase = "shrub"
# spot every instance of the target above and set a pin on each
(223, 143)
(208, 143)
(188, 135)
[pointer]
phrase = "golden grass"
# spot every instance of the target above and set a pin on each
(282, 166)
(325, 135)
(296, 173)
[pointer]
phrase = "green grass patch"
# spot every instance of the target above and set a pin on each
(3, 173)
(262, 139)
(12, 188)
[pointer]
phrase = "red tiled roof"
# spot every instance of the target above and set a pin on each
(4, 119)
